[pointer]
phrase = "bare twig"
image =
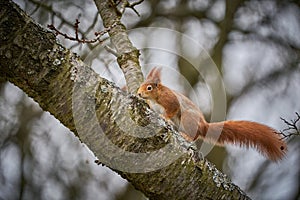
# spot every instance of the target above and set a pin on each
(134, 4)
(125, 4)
(76, 25)
(292, 128)
(98, 34)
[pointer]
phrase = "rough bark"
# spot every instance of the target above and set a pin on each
(128, 55)
(106, 119)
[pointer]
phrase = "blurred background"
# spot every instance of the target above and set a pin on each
(255, 45)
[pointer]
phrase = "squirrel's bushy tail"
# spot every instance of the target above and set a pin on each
(249, 134)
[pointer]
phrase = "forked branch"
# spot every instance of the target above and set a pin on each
(292, 127)
(126, 4)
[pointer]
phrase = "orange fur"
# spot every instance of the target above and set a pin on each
(188, 118)
(251, 134)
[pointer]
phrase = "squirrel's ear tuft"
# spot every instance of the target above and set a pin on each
(154, 75)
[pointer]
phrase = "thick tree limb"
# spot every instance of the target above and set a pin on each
(62, 84)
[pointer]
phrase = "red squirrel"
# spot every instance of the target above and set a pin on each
(189, 120)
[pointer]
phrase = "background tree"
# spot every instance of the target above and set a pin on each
(254, 44)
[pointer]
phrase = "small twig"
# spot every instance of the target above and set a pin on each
(125, 4)
(292, 128)
(134, 4)
(76, 25)
(98, 34)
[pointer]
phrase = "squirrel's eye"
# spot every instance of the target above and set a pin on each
(149, 87)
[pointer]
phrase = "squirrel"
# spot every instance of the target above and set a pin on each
(189, 120)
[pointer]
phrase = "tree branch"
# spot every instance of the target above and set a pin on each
(98, 34)
(292, 127)
(128, 58)
(225, 27)
(106, 119)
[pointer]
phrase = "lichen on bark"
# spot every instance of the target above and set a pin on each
(102, 115)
